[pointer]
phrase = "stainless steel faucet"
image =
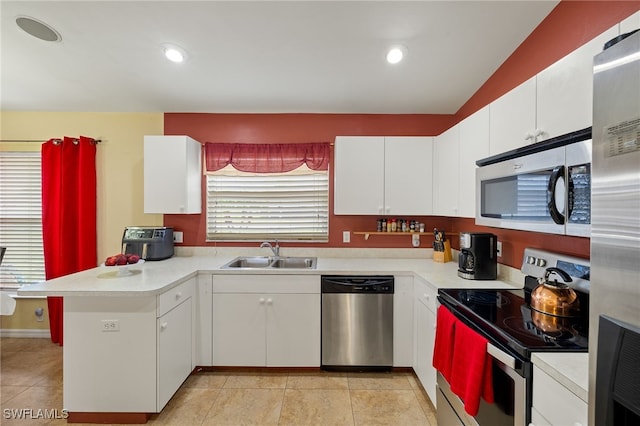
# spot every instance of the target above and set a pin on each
(275, 250)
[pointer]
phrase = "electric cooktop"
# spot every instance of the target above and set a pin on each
(505, 317)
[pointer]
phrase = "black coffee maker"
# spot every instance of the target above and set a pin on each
(478, 256)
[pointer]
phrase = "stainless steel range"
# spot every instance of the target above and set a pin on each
(514, 331)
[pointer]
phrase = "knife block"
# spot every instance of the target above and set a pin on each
(443, 256)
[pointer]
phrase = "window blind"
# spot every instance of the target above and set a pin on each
(287, 206)
(21, 218)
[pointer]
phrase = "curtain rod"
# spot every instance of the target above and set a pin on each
(43, 141)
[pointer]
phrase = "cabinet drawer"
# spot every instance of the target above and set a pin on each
(175, 296)
(555, 403)
(426, 294)
(286, 283)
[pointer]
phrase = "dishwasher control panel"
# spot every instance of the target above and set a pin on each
(378, 284)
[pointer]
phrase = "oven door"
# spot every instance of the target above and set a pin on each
(527, 193)
(510, 394)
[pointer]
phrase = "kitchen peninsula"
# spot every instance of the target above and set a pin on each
(131, 340)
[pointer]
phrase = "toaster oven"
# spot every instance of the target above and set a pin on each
(148, 242)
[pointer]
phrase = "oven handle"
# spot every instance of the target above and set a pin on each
(504, 358)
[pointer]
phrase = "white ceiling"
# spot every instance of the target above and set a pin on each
(260, 56)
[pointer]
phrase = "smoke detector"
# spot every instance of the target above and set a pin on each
(38, 29)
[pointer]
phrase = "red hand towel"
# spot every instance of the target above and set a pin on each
(443, 345)
(471, 374)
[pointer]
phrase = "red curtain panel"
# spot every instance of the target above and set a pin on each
(68, 214)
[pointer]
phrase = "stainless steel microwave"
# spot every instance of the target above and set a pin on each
(544, 187)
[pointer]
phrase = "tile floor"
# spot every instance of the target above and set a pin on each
(31, 377)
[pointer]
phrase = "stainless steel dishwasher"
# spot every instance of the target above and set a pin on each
(357, 322)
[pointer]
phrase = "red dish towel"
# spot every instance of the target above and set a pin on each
(443, 346)
(471, 374)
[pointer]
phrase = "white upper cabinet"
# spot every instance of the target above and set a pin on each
(565, 90)
(556, 101)
(513, 118)
(474, 145)
(377, 175)
(359, 175)
(408, 175)
(172, 175)
(630, 24)
(446, 172)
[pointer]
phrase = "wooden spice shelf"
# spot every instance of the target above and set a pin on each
(394, 234)
(369, 233)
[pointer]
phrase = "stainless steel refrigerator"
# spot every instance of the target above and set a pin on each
(615, 230)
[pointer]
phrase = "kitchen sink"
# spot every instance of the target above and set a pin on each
(267, 262)
(295, 262)
(249, 262)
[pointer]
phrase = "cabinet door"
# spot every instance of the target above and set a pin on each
(172, 177)
(513, 118)
(293, 330)
(359, 175)
(239, 330)
(555, 402)
(446, 163)
(408, 175)
(403, 322)
(204, 321)
(425, 337)
(565, 90)
(174, 350)
(474, 145)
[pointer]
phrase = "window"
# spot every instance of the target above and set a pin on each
(257, 206)
(21, 218)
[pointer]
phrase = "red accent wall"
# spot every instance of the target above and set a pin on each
(567, 27)
(292, 128)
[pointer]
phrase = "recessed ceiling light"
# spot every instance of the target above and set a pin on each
(174, 53)
(37, 29)
(396, 54)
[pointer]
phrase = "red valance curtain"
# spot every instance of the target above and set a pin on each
(266, 158)
(68, 214)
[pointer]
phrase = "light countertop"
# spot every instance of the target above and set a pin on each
(570, 369)
(153, 278)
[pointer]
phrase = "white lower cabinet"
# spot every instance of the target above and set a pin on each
(174, 350)
(127, 354)
(554, 404)
(293, 330)
(403, 322)
(203, 325)
(239, 331)
(425, 327)
(269, 320)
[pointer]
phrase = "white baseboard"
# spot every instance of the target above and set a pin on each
(25, 332)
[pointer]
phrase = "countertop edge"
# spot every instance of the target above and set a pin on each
(157, 278)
